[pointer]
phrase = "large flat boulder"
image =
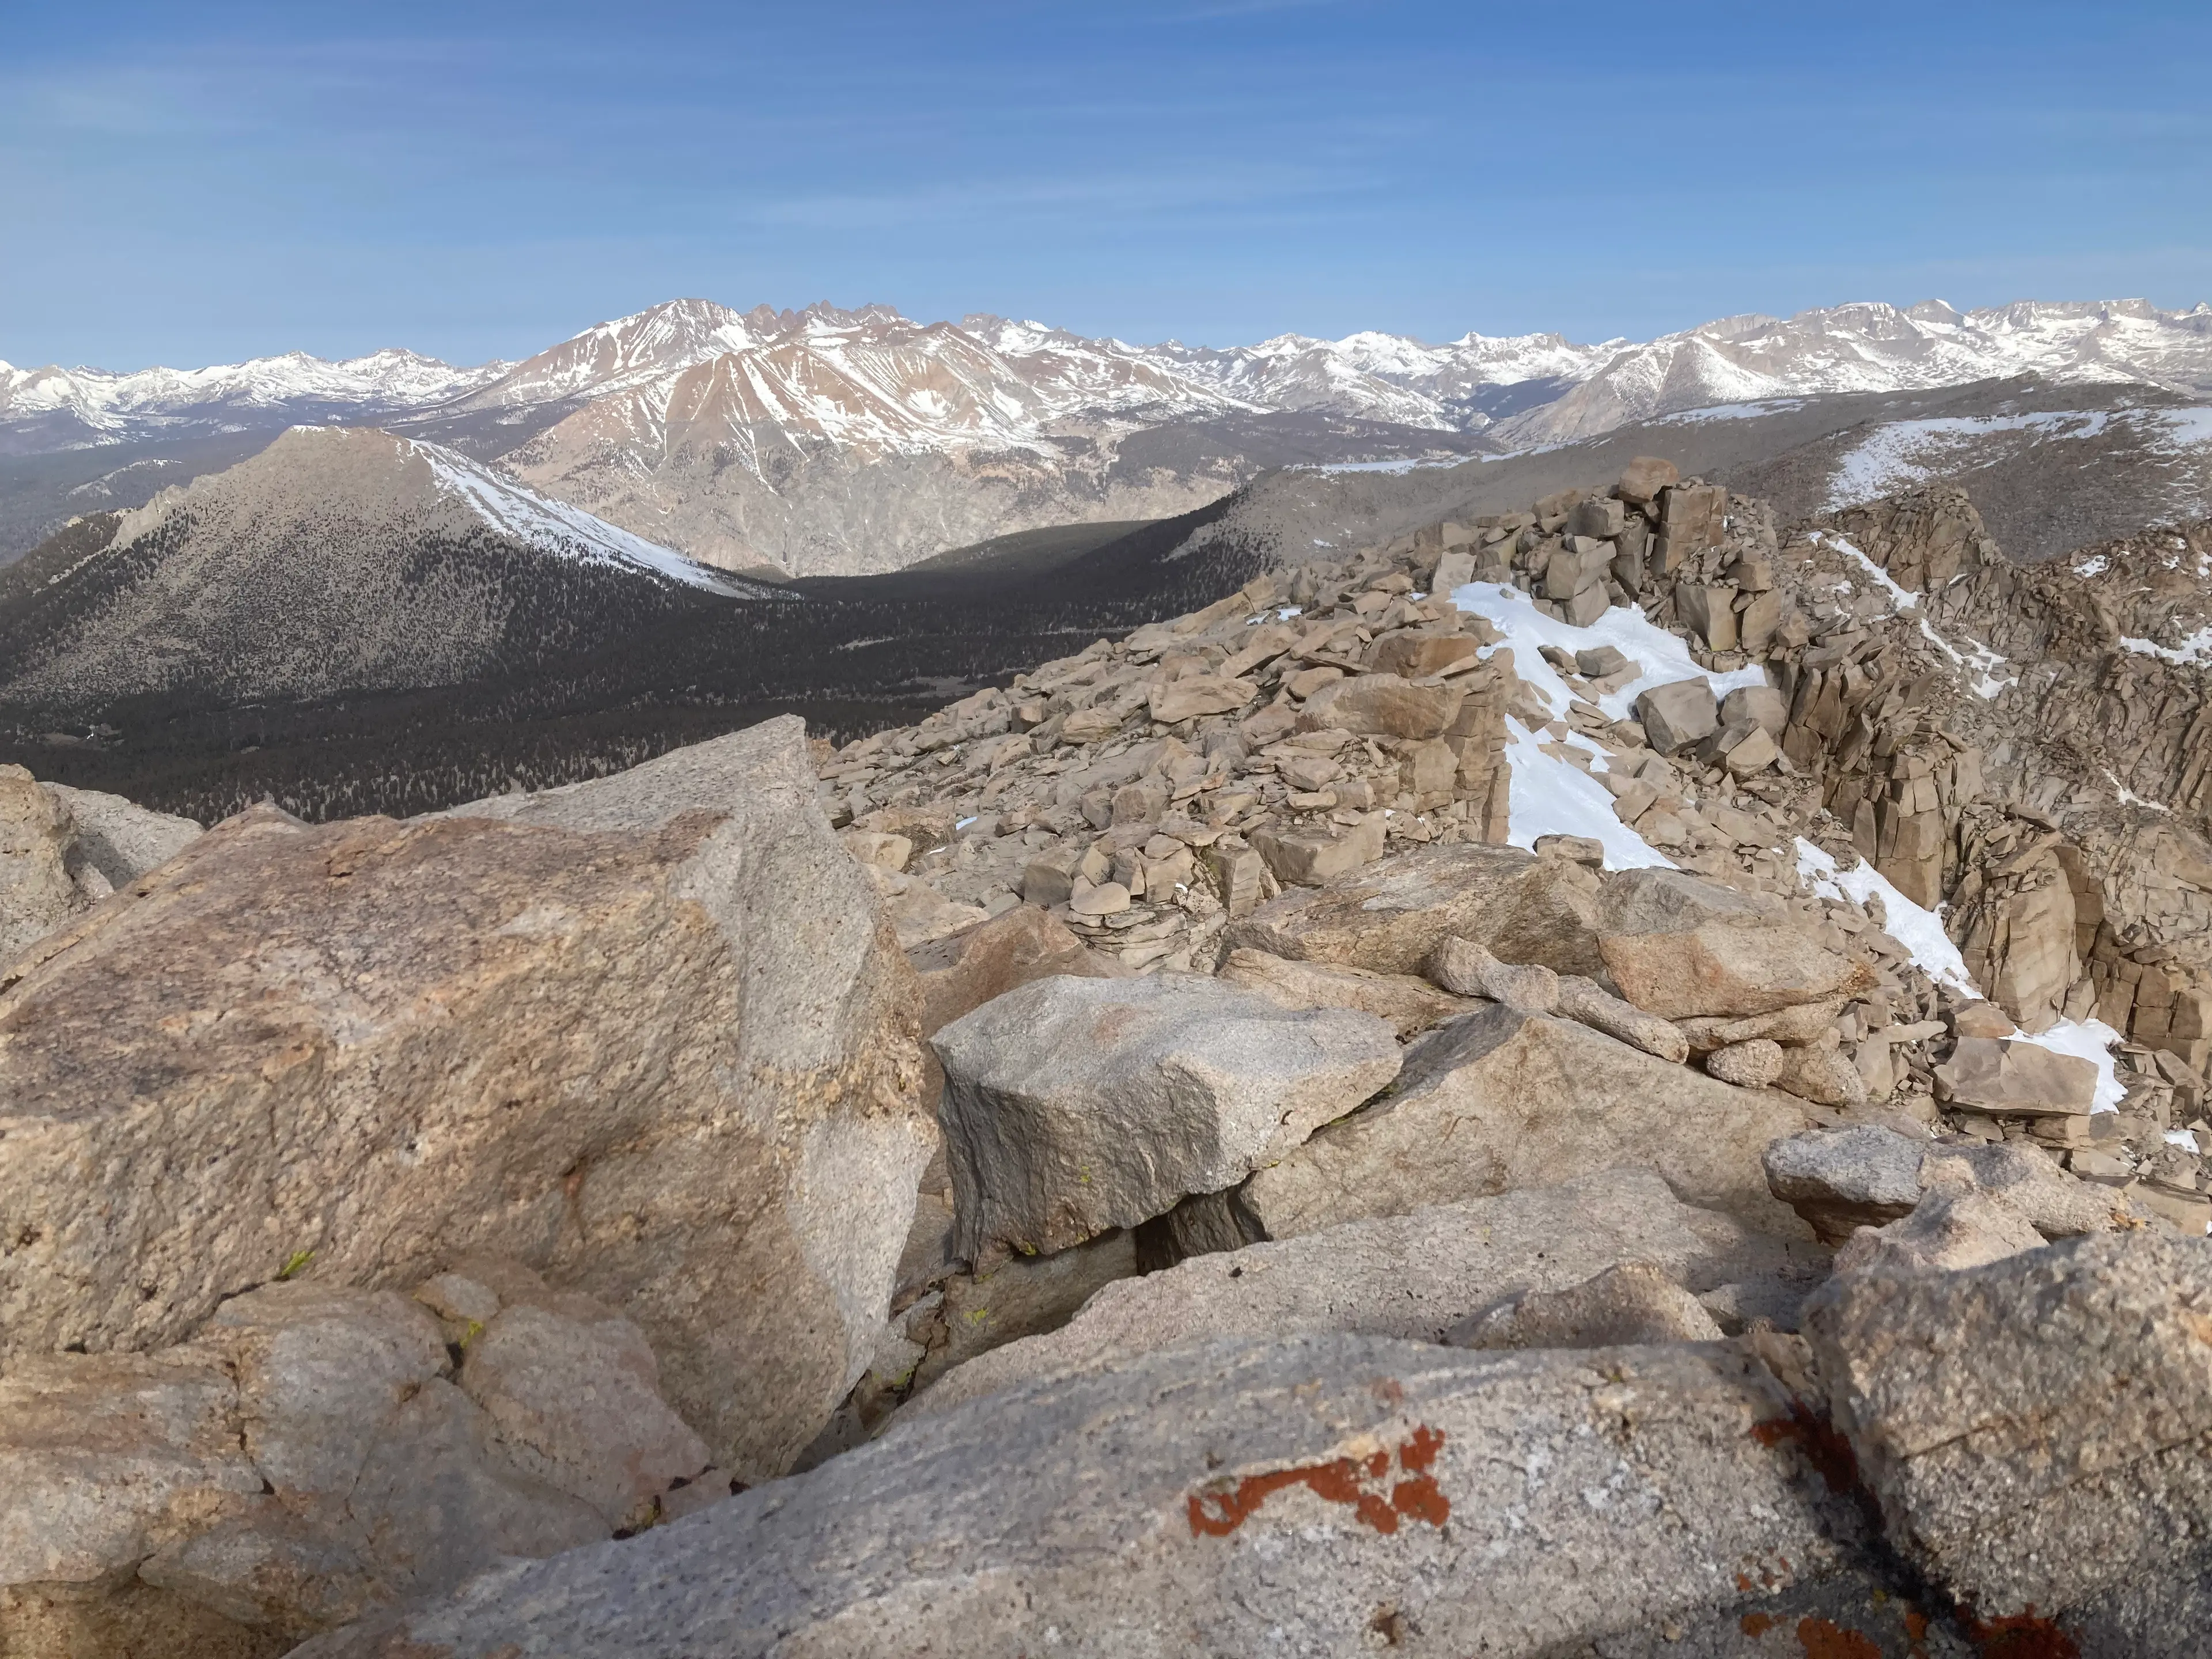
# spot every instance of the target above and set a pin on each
(1074, 1105)
(1680, 946)
(1320, 1496)
(648, 1034)
(1501, 1099)
(1414, 1276)
(2038, 1429)
(1390, 916)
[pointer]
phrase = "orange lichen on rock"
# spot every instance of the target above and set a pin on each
(1354, 1482)
(1822, 1639)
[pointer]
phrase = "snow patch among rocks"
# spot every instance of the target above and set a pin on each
(1549, 796)
(1663, 659)
(1921, 933)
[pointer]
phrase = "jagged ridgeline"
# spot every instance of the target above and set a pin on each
(352, 623)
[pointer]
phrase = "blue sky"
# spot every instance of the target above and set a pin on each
(199, 183)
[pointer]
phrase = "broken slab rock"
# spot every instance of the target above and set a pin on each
(1075, 1105)
(1415, 1276)
(1842, 1180)
(2011, 1079)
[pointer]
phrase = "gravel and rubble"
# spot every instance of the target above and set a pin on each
(1831, 716)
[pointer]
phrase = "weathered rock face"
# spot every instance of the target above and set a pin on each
(963, 971)
(1414, 1276)
(2036, 1429)
(1949, 1230)
(119, 838)
(1679, 946)
(1628, 1302)
(647, 1035)
(1352, 1491)
(1071, 1105)
(1409, 1004)
(2019, 936)
(1390, 917)
(36, 893)
(312, 1456)
(1384, 705)
(1019, 1301)
(1499, 1100)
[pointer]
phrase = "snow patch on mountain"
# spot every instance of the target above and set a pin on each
(1904, 454)
(1381, 377)
(554, 527)
(1550, 794)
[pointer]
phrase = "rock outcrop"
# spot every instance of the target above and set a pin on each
(316, 1454)
(647, 1035)
(1358, 1492)
(1416, 1275)
(1270, 1081)
(2067, 1456)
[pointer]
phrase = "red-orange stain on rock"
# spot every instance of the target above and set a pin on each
(1421, 1500)
(1341, 1480)
(1823, 1640)
(2021, 1635)
(1824, 1448)
(1756, 1624)
(1417, 1453)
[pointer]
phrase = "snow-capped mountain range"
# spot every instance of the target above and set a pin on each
(83, 406)
(831, 441)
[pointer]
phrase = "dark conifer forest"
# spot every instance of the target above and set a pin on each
(596, 671)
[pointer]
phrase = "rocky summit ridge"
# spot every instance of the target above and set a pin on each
(1615, 1077)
